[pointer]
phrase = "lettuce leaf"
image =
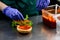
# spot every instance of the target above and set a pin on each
(14, 23)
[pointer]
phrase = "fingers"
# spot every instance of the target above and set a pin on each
(16, 17)
(20, 16)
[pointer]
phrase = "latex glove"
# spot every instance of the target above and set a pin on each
(13, 13)
(40, 4)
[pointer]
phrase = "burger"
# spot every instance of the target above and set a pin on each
(23, 26)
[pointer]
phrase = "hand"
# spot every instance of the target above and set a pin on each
(40, 4)
(13, 13)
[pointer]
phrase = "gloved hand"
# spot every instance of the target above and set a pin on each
(13, 13)
(40, 4)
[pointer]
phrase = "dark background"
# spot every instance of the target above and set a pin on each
(52, 2)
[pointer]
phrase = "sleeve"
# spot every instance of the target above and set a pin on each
(8, 2)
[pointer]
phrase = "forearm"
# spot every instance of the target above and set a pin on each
(2, 6)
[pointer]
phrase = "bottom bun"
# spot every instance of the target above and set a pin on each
(24, 31)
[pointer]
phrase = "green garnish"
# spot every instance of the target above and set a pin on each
(26, 17)
(14, 23)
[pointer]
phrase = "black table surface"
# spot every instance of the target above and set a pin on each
(39, 32)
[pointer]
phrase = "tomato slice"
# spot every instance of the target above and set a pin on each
(25, 27)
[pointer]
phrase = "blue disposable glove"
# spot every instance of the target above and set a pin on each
(13, 13)
(40, 4)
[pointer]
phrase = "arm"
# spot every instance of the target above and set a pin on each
(2, 6)
(13, 13)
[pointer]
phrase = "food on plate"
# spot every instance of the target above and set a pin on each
(23, 26)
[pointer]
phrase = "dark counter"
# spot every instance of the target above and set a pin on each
(39, 32)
